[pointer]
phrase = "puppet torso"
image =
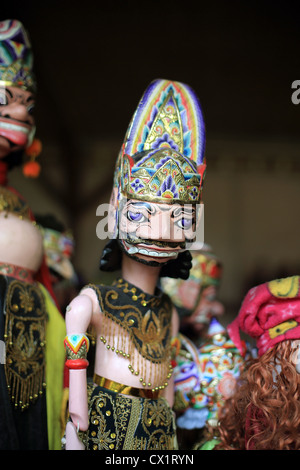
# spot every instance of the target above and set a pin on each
(135, 332)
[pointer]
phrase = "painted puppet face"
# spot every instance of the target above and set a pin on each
(186, 377)
(16, 119)
(208, 305)
(154, 233)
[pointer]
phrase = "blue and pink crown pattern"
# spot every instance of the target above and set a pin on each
(162, 158)
(176, 96)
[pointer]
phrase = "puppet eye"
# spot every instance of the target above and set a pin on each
(136, 216)
(185, 223)
(31, 109)
(3, 98)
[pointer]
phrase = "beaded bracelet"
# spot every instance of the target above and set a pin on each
(77, 346)
(77, 363)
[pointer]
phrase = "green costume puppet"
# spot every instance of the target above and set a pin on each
(31, 372)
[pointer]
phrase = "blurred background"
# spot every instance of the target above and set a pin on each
(93, 61)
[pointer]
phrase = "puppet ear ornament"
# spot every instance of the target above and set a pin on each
(31, 168)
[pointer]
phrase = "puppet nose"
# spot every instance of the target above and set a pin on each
(16, 111)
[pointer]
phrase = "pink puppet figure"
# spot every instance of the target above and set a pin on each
(31, 375)
(157, 186)
(264, 414)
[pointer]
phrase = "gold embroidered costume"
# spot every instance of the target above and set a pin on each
(133, 320)
(161, 162)
(25, 327)
(32, 372)
(31, 327)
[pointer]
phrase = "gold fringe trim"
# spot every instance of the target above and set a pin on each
(151, 374)
(23, 392)
(138, 336)
(24, 336)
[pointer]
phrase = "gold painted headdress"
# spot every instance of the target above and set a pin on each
(162, 158)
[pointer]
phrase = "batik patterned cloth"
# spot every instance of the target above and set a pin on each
(119, 422)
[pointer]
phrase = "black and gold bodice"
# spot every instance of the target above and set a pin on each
(137, 322)
(24, 322)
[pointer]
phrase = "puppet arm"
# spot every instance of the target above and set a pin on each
(78, 317)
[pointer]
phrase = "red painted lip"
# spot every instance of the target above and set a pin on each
(156, 248)
(14, 131)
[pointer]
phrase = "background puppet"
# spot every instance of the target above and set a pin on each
(59, 245)
(204, 379)
(157, 184)
(29, 318)
(208, 363)
(264, 414)
(196, 297)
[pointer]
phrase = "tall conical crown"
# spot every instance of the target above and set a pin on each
(162, 157)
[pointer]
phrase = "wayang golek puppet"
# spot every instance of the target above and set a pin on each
(264, 414)
(157, 186)
(32, 373)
